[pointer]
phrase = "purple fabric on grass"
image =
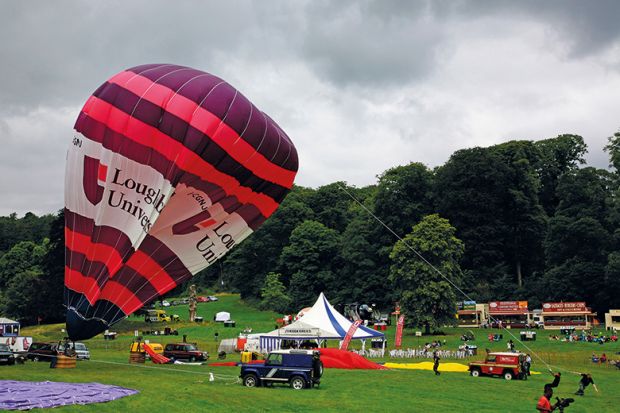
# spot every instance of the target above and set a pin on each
(25, 395)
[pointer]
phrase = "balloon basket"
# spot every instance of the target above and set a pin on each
(64, 362)
(137, 357)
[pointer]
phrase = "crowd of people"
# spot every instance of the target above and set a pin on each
(585, 336)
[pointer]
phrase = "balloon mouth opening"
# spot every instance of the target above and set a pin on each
(80, 328)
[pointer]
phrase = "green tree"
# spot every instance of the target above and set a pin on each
(273, 294)
(613, 148)
(427, 298)
(312, 259)
(20, 278)
(557, 156)
(330, 205)
(524, 217)
(470, 189)
(51, 306)
(25, 255)
(246, 266)
(579, 241)
(361, 278)
(29, 228)
(404, 196)
(23, 294)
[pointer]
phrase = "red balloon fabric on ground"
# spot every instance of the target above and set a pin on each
(341, 359)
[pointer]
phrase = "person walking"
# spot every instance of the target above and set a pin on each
(436, 363)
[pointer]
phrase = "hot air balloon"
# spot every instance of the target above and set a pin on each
(169, 169)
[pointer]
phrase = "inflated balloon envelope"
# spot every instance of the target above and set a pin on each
(169, 169)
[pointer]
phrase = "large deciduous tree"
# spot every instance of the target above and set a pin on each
(523, 216)
(579, 240)
(21, 281)
(248, 264)
(51, 305)
(470, 189)
(312, 260)
(557, 156)
(273, 294)
(427, 296)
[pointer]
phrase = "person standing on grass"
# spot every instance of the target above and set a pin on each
(528, 364)
(586, 379)
(436, 363)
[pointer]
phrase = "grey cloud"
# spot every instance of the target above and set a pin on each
(372, 44)
(586, 27)
(59, 50)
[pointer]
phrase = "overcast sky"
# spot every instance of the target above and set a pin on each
(359, 86)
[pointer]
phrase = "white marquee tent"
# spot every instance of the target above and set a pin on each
(321, 322)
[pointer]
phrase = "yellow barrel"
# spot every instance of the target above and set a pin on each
(136, 357)
(65, 362)
(246, 356)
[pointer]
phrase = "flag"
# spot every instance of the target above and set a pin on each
(347, 338)
(399, 331)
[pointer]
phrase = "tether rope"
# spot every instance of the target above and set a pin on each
(212, 376)
(557, 368)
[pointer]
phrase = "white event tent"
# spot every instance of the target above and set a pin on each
(321, 322)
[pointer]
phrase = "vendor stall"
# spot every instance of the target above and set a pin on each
(471, 314)
(509, 314)
(567, 315)
(612, 320)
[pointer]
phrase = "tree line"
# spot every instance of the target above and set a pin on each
(522, 220)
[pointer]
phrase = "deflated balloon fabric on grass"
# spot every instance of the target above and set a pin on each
(428, 365)
(342, 359)
(26, 395)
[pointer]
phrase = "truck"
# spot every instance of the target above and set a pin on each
(506, 364)
(154, 316)
(300, 369)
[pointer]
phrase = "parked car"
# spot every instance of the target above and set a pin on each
(202, 299)
(6, 355)
(185, 351)
(42, 351)
(299, 368)
(81, 351)
(212, 298)
(165, 303)
(507, 365)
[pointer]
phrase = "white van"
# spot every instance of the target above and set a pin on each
(17, 344)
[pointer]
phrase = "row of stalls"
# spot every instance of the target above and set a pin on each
(318, 324)
(516, 314)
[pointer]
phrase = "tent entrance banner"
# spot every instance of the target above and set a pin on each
(296, 332)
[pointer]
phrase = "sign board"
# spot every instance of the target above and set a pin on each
(466, 305)
(299, 331)
(508, 307)
(573, 307)
(399, 331)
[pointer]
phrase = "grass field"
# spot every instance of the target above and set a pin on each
(173, 388)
